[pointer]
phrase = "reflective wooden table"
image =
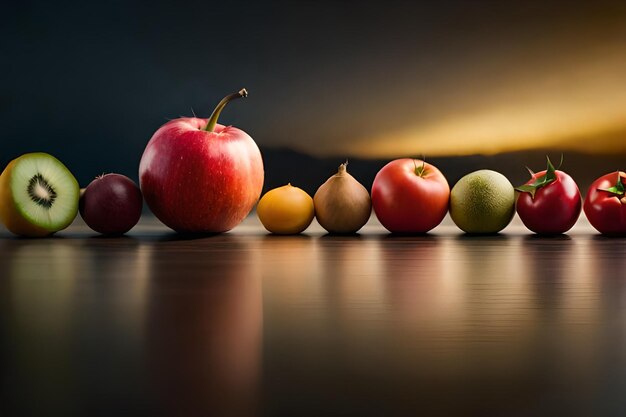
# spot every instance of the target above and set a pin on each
(250, 324)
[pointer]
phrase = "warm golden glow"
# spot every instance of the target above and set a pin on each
(505, 130)
(574, 100)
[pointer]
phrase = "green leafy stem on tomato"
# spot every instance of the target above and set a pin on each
(541, 181)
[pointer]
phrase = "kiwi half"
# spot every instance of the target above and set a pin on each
(38, 195)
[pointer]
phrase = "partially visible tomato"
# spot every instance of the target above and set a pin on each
(605, 204)
(410, 196)
(550, 202)
(286, 210)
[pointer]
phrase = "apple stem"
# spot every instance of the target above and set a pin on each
(420, 171)
(210, 126)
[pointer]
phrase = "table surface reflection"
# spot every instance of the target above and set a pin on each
(250, 324)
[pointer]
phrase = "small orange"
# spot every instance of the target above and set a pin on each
(286, 210)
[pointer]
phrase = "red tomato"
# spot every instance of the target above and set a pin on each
(549, 203)
(410, 196)
(605, 204)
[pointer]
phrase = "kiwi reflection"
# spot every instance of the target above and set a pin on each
(204, 324)
(39, 279)
(497, 299)
(71, 309)
(38, 290)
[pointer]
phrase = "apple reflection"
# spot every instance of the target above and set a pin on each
(412, 266)
(204, 326)
(423, 301)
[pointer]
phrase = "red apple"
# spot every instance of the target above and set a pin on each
(198, 176)
(410, 196)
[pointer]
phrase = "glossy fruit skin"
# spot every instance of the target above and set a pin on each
(196, 181)
(604, 210)
(286, 210)
(111, 204)
(555, 207)
(406, 202)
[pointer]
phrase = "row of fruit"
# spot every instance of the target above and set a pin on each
(39, 196)
(412, 196)
(198, 176)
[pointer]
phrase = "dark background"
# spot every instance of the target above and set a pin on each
(247, 323)
(89, 82)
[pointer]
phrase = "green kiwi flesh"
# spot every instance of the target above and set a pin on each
(44, 191)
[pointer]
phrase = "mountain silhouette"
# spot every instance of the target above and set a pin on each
(308, 172)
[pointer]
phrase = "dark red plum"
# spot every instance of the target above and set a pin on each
(111, 204)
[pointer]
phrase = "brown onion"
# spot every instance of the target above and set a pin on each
(342, 204)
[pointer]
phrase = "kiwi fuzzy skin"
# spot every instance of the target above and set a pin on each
(476, 197)
(11, 217)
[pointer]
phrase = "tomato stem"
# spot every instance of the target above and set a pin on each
(618, 189)
(542, 181)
